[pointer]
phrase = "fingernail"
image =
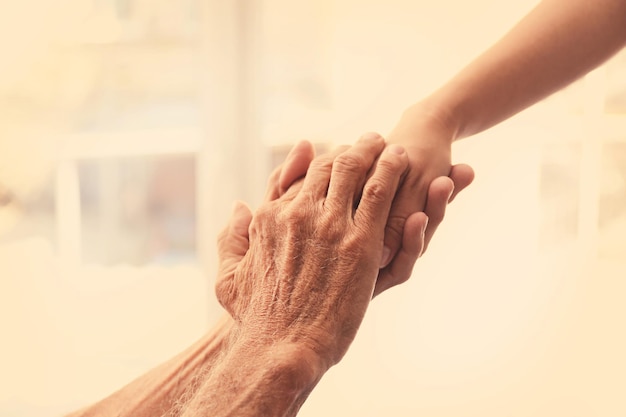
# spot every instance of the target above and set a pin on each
(396, 149)
(386, 257)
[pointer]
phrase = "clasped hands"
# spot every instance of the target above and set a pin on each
(301, 271)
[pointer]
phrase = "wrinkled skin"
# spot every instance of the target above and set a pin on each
(312, 262)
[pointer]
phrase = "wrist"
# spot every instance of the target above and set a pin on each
(257, 378)
(300, 366)
(443, 127)
(253, 377)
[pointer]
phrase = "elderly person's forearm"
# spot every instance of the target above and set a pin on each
(163, 390)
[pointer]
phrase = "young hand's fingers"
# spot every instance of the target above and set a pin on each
(439, 193)
(401, 268)
(380, 189)
(350, 170)
(409, 200)
(415, 239)
(294, 167)
(462, 175)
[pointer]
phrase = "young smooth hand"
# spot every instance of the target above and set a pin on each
(428, 142)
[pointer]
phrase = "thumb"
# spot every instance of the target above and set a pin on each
(233, 243)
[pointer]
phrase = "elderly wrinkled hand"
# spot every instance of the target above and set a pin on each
(313, 259)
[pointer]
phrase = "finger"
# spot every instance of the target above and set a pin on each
(318, 176)
(462, 175)
(295, 166)
(350, 169)
(439, 193)
(401, 268)
(272, 191)
(406, 203)
(232, 246)
(233, 241)
(380, 189)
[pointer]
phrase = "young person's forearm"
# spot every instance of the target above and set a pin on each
(555, 44)
(164, 390)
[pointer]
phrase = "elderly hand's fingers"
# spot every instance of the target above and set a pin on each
(272, 191)
(294, 167)
(351, 168)
(381, 187)
(318, 176)
(400, 269)
(462, 175)
(233, 240)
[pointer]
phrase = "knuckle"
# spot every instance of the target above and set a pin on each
(298, 214)
(351, 249)
(322, 162)
(293, 215)
(332, 227)
(349, 162)
(376, 192)
(391, 166)
(262, 216)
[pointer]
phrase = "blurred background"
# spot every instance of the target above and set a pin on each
(128, 127)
